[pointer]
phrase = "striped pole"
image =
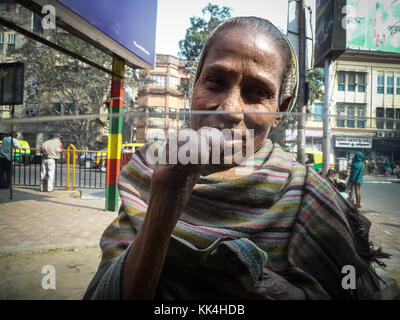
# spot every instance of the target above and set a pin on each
(114, 137)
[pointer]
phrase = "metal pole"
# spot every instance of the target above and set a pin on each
(115, 137)
(301, 137)
(326, 142)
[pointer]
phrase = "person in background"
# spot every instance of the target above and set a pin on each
(396, 170)
(331, 177)
(386, 168)
(5, 159)
(356, 177)
(342, 187)
(50, 150)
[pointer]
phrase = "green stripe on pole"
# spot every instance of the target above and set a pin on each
(112, 197)
(116, 120)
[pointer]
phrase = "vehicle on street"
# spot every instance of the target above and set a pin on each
(98, 159)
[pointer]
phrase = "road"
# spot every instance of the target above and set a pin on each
(381, 194)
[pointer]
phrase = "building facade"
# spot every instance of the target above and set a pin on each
(364, 108)
(163, 96)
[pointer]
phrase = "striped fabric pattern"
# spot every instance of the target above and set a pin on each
(270, 212)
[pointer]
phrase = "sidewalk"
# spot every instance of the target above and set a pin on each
(74, 220)
(60, 219)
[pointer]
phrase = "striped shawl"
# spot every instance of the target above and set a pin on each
(270, 212)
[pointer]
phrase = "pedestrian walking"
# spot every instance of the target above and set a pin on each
(387, 168)
(50, 150)
(5, 159)
(356, 178)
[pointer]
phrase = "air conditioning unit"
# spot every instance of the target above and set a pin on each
(390, 134)
(380, 134)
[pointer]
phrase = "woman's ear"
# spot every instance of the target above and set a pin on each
(283, 107)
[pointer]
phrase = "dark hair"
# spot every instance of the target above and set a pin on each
(13, 134)
(269, 30)
(330, 172)
(343, 175)
(341, 186)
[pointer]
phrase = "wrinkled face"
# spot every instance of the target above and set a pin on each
(242, 72)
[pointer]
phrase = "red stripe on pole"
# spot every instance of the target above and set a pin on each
(113, 166)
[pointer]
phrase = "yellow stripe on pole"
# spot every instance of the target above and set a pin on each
(114, 146)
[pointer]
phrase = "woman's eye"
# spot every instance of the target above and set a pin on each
(215, 81)
(259, 92)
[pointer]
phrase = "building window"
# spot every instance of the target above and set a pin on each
(390, 85)
(389, 115)
(57, 106)
(352, 82)
(1, 37)
(318, 111)
(361, 82)
(380, 123)
(11, 38)
(173, 82)
(398, 85)
(381, 84)
(158, 80)
(69, 108)
(350, 116)
(341, 81)
(398, 119)
(361, 117)
(341, 112)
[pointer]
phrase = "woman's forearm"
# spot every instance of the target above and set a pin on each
(145, 259)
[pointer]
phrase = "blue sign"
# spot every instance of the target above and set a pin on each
(131, 23)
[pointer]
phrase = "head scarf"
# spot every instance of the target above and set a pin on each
(292, 79)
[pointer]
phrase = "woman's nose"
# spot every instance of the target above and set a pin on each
(232, 105)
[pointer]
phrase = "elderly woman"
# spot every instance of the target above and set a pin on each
(267, 228)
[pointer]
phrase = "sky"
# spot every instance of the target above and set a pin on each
(173, 17)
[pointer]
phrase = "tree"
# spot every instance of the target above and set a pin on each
(200, 28)
(315, 80)
(61, 85)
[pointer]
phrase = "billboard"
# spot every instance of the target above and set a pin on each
(366, 25)
(123, 28)
(373, 25)
(330, 36)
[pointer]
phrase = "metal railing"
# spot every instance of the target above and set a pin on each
(88, 168)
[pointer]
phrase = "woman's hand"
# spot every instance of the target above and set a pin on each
(171, 187)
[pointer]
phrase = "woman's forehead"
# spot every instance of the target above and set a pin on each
(247, 47)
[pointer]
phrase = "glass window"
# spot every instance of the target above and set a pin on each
(11, 38)
(1, 37)
(361, 117)
(352, 82)
(173, 82)
(318, 111)
(389, 115)
(361, 82)
(57, 106)
(381, 84)
(379, 114)
(390, 84)
(398, 85)
(398, 119)
(158, 80)
(341, 81)
(350, 116)
(341, 112)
